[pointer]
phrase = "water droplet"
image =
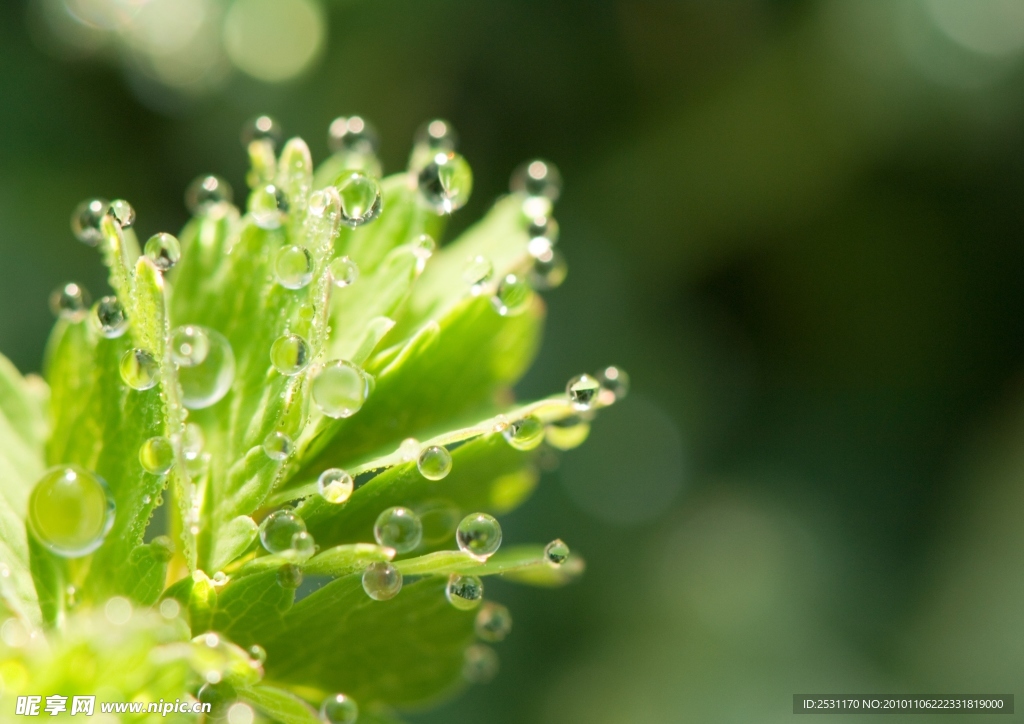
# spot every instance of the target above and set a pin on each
(361, 200)
(556, 552)
(70, 302)
(139, 369)
(446, 182)
(294, 267)
(339, 389)
(352, 135)
(501, 424)
(479, 664)
(289, 576)
(493, 622)
(339, 709)
(343, 271)
(261, 128)
(189, 345)
(192, 441)
(86, 219)
(549, 269)
(156, 455)
(434, 463)
(163, 250)
(537, 178)
(279, 529)
(478, 271)
(122, 212)
(268, 205)
(207, 191)
(335, 485)
(615, 381)
(258, 654)
(479, 535)
(289, 354)
(170, 608)
(277, 446)
(207, 382)
(109, 317)
(70, 511)
(582, 391)
(543, 227)
(513, 295)
(398, 528)
(568, 433)
(525, 434)
(437, 135)
(464, 592)
(409, 450)
(219, 578)
(382, 581)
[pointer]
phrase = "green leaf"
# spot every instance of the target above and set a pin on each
(234, 539)
(345, 559)
(147, 569)
(279, 705)
(248, 603)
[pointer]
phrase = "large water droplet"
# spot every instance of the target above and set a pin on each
(261, 128)
(157, 455)
(568, 433)
(335, 485)
(189, 345)
(479, 535)
(352, 135)
(339, 389)
(303, 545)
(525, 434)
(582, 391)
(446, 182)
(361, 200)
(615, 381)
(513, 296)
(277, 446)
(163, 250)
(109, 317)
(289, 575)
(556, 552)
(294, 267)
(86, 220)
(70, 511)
(343, 271)
(339, 709)
(289, 354)
(434, 463)
(464, 592)
(398, 528)
(139, 369)
(122, 212)
(268, 205)
(279, 529)
(207, 382)
(537, 178)
(493, 622)
(207, 191)
(382, 581)
(478, 271)
(70, 302)
(479, 664)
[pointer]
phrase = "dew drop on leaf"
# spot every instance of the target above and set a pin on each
(568, 433)
(289, 354)
(537, 178)
(479, 535)
(86, 220)
(446, 182)
(582, 391)
(109, 317)
(513, 295)
(493, 622)
(277, 446)
(70, 511)
(614, 380)
(398, 528)
(382, 581)
(339, 709)
(207, 191)
(139, 369)
(289, 576)
(189, 345)
(549, 269)
(293, 267)
(335, 485)
(261, 128)
(279, 529)
(156, 455)
(352, 135)
(556, 552)
(464, 592)
(343, 271)
(361, 200)
(339, 389)
(163, 250)
(478, 271)
(525, 434)
(70, 302)
(122, 212)
(268, 205)
(543, 227)
(206, 382)
(434, 463)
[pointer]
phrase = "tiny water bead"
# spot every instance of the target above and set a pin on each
(339, 709)
(139, 369)
(70, 511)
(614, 380)
(568, 433)
(537, 178)
(352, 135)
(192, 441)
(398, 528)
(122, 212)
(289, 576)
(434, 463)
(525, 434)
(464, 592)
(163, 250)
(479, 664)
(423, 247)
(277, 446)
(294, 267)
(289, 354)
(207, 191)
(382, 581)
(109, 317)
(343, 271)
(437, 135)
(205, 383)
(335, 485)
(493, 622)
(478, 271)
(261, 128)
(479, 535)
(86, 220)
(446, 182)
(268, 205)
(549, 269)
(189, 345)
(361, 200)
(582, 391)
(556, 552)
(70, 302)
(157, 455)
(278, 530)
(339, 389)
(513, 296)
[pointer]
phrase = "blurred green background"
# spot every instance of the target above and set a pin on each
(797, 224)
